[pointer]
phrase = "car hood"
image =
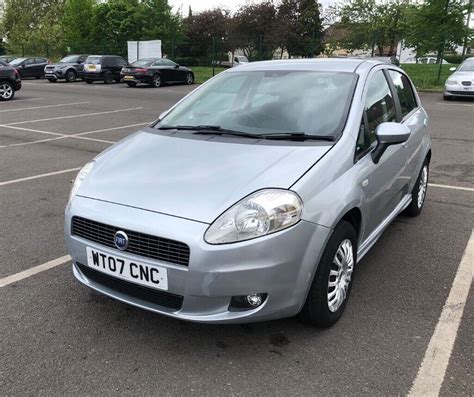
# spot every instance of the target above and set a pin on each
(192, 178)
(459, 76)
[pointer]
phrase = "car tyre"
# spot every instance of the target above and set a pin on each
(189, 79)
(131, 84)
(418, 195)
(51, 80)
(331, 286)
(7, 92)
(156, 81)
(70, 76)
(89, 81)
(108, 78)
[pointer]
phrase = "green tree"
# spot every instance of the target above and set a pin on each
(436, 25)
(77, 24)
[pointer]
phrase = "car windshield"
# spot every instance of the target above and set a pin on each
(274, 102)
(467, 66)
(94, 60)
(144, 62)
(17, 61)
(70, 59)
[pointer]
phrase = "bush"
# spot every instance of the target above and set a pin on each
(453, 58)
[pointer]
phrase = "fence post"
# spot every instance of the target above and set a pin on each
(172, 45)
(213, 56)
(259, 47)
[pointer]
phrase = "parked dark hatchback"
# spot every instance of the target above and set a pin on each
(104, 68)
(9, 81)
(155, 72)
(30, 67)
(69, 68)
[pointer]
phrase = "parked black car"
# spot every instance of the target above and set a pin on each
(7, 58)
(103, 67)
(69, 68)
(155, 72)
(30, 67)
(10, 81)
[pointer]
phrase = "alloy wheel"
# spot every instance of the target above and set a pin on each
(189, 79)
(340, 275)
(156, 81)
(422, 186)
(6, 91)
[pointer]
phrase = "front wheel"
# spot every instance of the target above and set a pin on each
(108, 78)
(6, 91)
(418, 195)
(70, 76)
(189, 79)
(331, 287)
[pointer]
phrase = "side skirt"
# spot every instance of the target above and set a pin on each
(375, 235)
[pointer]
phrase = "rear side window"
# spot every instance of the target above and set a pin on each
(379, 105)
(94, 60)
(404, 92)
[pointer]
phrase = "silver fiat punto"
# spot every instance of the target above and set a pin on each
(255, 196)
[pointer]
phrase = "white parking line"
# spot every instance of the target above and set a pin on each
(44, 107)
(467, 189)
(71, 116)
(455, 104)
(34, 270)
(65, 136)
(29, 178)
(24, 100)
(432, 371)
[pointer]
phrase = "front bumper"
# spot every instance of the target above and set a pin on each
(459, 91)
(93, 76)
(281, 265)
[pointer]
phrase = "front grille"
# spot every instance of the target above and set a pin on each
(153, 247)
(160, 298)
(462, 92)
(49, 67)
(466, 83)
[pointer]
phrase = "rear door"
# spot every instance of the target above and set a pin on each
(169, 70)
(40, 64)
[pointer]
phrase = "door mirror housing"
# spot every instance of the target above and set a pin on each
(176, 66)
(389, 133)
(452, 69)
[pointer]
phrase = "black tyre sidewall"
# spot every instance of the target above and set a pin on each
(316, 310)
(153, 81)
(68, 73)
(191, 82)
(89, 81)
(108, 78)
(413, 209)
(130, 84)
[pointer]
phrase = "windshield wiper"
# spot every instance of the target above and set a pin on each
(218, 130)
(298, 136)
(210, 130)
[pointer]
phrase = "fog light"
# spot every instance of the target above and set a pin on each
(246, 302)
(254, 300)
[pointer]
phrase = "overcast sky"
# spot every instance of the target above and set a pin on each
(200, 5)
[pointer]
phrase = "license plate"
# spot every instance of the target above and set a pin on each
(128, 78)
(468, 88)
(135, 272)
(91, 67)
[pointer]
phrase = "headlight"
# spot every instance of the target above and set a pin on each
(81, 176)
(263, 212)
(451, 82)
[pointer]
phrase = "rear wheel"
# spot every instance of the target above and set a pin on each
(418, 195)
(89, 81)
(70, 76)
(331, 287)
(6, 91)
(156, 81)
(108, 78)
(131, 84)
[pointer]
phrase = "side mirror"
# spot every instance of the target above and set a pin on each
(452, 69)
(176, 66)
(389, 134)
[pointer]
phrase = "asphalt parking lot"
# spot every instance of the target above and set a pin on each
(58, 337)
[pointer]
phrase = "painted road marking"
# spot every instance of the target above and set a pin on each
(467, 189)
(433, 368)
(29, 178)
(24, 100)
(454, 104)
(34, 270)
(64, 136)
(44, 107)
(71, 116)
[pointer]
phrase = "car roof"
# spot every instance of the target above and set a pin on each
(317, 64)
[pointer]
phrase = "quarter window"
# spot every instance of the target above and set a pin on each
(404, 92)
(379, 105)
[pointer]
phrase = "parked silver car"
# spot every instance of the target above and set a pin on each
(255, 196)
(461, 82)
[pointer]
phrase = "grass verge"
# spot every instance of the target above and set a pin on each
(203, 73)
(425, 77)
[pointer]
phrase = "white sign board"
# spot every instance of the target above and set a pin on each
(143, 49)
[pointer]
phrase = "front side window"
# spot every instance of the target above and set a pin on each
(273, 101)
(404, 92)
(17, 62)
(167, 62)
(379, 105)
